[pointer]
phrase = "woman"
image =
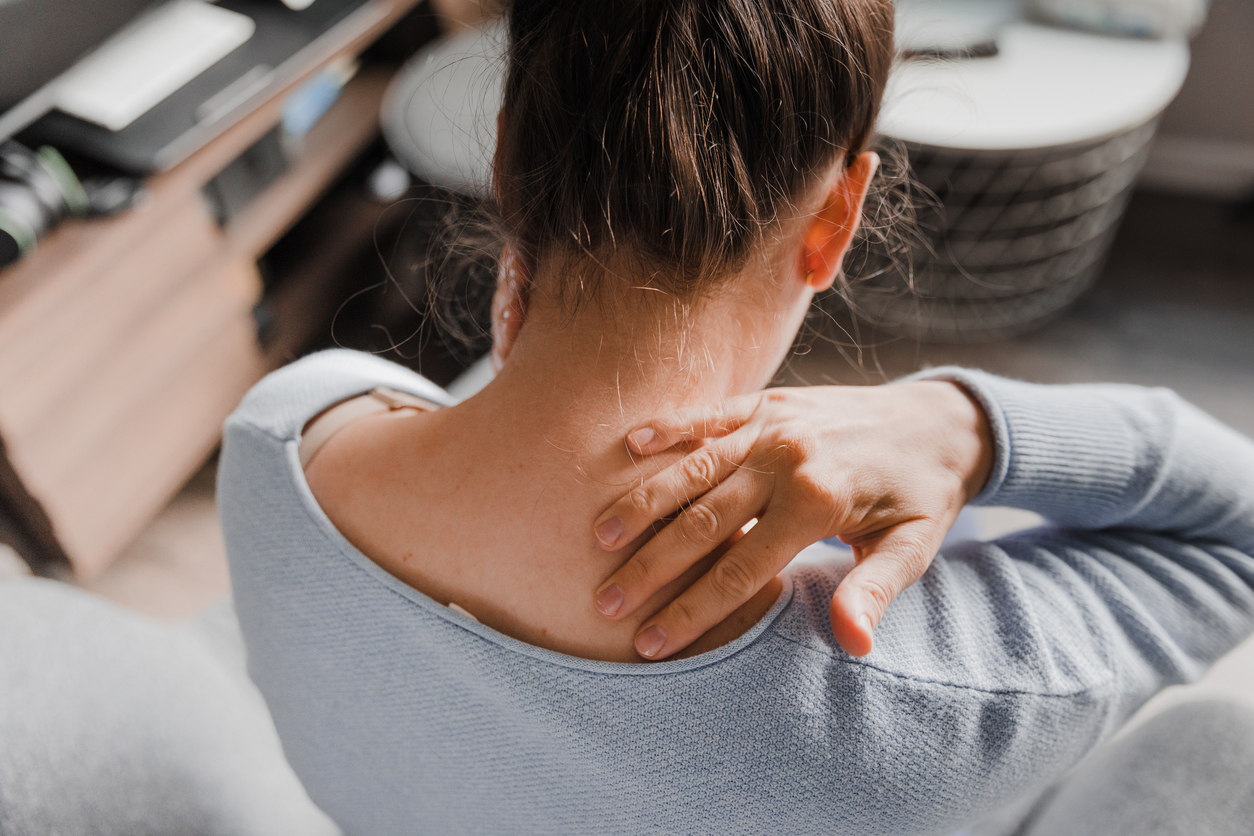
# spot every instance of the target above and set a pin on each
(441, 602)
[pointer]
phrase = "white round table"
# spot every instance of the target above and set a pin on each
(1046, 86)
(439, 115)
(1027, 159)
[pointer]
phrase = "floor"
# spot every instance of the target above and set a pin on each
(1174, 307)
(177, 566)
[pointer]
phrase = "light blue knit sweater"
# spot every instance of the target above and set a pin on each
(990, 677)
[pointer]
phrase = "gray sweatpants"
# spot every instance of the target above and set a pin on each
(113, 724)
(1186, 772)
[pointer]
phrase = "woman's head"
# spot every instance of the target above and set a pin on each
(680, 131)
(699, 165)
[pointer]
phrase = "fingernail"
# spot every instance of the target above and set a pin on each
(649, 642)
(865, 621)
(609, 531)
(639, 438)
(610, 599)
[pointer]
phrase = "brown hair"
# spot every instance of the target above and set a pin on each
(680, 128)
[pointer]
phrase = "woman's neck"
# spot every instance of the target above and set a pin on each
(546, 442)
(509, 482)
(615, 361)
(544, 468)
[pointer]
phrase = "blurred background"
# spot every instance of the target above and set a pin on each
(193, 194)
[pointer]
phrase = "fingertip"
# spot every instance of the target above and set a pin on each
(642, 440)
(610, 600)
(608, 532)
(854, 630)
(856, 641)
(650, 641)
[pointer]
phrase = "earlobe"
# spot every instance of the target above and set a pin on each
(833, 226)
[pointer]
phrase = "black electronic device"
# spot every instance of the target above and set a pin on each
(39, 39)
(216, 98)
(37, 190)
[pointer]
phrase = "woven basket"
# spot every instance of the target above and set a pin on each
(1012, 239)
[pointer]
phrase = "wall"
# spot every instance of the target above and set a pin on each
(1205, 145)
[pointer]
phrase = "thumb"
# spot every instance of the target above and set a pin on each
(886, 567)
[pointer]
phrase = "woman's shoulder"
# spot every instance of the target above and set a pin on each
(284, 400)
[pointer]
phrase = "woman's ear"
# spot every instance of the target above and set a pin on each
(834, 224)
(509, 304)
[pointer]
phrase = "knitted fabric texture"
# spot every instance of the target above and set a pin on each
(990, 677)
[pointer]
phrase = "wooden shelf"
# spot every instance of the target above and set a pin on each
(124, 343)
(340, 135)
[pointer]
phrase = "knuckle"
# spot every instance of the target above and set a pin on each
(701, 523)
(733, 580)
(810, 491)
(702, 467)
(640, 498)
(916, 556)
(681, 614)
(792, 452)
(802, 447)
(642, 582)
(638, 572)
(878, 591)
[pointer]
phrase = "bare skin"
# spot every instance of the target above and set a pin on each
(494, 530)
(490, 504)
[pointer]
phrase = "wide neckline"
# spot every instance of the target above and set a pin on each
(309, 504)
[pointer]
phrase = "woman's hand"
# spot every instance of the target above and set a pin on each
(884, 468)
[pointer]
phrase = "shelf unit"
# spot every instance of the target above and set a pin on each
(125, 342)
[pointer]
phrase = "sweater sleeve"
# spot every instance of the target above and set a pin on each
(1103, 456)
(1144, 485)
(1008, 661)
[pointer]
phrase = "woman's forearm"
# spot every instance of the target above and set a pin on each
(1100, 456)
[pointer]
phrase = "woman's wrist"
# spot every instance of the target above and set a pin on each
(967, 438)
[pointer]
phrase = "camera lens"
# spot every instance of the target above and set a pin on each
(37, 190)
(22, 219)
